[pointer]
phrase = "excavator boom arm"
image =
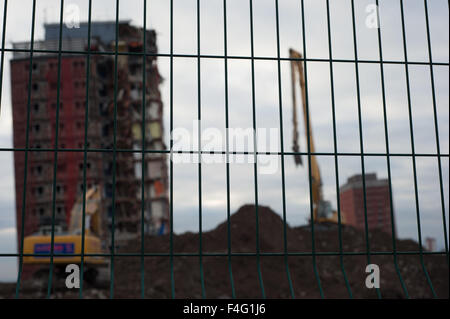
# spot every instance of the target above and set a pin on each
(297, 68)
(92, 212)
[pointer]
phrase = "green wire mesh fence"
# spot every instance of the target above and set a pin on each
(147, 57)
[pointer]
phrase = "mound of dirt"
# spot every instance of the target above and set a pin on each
(271, 271)
(283, 251)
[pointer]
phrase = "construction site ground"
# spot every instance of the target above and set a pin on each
(273, 269)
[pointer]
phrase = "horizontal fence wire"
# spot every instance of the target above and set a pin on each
(221, 254)
(124, 150)
(231, 57)
(198, 56)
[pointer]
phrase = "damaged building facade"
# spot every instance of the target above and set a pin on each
(115, 119)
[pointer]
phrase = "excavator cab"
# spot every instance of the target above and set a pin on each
(67, 245)
(324, 209)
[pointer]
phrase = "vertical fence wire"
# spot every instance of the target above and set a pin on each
(255, 150)
(27, 138)
(336, 163)
(283, 181)
(388, 158)
(55, 155)
(2, 63)
(172, 275)
(113, 220)
(144, 144)
(308, 140)
(199, 119)
(413, 150)
(85, 146)
(227, 142)
(436, 128)
(361, 142)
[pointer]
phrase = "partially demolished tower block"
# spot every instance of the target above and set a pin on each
(138, 109)
(115, 114)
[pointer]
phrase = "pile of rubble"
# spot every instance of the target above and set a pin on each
(273, 270)
(270, 270)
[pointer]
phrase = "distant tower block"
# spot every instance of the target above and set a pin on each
(377, 202)
(430, 243)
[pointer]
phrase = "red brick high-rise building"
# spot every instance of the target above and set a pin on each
(377, 203)
(71, 138)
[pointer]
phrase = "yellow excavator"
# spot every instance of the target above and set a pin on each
(67, 244)
(322, 211)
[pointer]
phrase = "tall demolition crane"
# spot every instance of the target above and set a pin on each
(322, 211)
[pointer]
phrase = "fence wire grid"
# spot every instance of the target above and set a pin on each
(440, 157)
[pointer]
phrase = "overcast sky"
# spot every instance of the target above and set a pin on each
(267, 104)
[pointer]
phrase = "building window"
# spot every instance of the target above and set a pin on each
(105, 130)
(60, 210)
(88, 166)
